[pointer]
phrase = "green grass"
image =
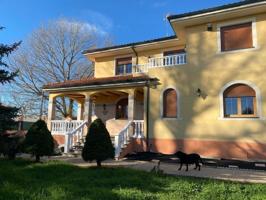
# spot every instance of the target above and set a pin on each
(56, 180)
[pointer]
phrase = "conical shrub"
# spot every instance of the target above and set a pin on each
(98, 145)
(39, 141)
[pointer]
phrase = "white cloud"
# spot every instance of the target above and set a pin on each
(86, 25)
(100, 20)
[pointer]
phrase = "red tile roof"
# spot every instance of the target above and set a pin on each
(97, 81)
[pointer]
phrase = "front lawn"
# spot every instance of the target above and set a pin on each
(56, 180)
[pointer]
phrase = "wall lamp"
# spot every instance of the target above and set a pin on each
(199, 92)
(105, 111)
(209, 27)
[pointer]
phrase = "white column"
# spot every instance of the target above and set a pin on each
(131, 105)
(87, 109)
(80, 111)
(51, 111)
(145, 107)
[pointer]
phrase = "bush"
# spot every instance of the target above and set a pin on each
(98, 145)
(39, 141)
(10, 146)
(7, 115)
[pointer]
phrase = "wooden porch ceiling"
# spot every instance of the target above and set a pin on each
(75, 96)
(108, 93)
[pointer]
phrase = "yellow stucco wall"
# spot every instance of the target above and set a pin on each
(208, 70)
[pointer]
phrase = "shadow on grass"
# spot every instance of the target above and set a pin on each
(56, 180)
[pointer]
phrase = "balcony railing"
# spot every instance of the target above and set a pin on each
(166, 61)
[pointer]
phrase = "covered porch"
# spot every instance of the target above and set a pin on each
(122, 109)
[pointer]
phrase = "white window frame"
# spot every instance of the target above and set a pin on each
(258, 101)
(236, 22)
(177, 105)
(118, 57)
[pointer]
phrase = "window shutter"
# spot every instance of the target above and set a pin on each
(174, 52)
(236, 37)
(239, 90)
(124, 61)
(170, 103)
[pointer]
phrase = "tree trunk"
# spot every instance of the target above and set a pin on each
(99, 163)
(70, 108)
(37, 158)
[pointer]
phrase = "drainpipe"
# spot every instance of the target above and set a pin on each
(147, 100)
(136, 54)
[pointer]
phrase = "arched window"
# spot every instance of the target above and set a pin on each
(170, 103)
(121, 109)
(240, 101)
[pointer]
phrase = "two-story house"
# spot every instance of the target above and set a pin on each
(202, 90)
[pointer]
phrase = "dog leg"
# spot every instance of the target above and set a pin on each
(187, 168)
(181, 164)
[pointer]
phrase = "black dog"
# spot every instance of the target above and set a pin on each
(188, 159)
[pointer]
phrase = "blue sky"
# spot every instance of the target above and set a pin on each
(125, 20)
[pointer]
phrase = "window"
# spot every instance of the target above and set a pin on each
(174, 52)
(121, 109)
(239, 101)
(123, 66)
(170, 103)
(236, 37)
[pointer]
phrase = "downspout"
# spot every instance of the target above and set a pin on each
(147, 101)
(136, 54)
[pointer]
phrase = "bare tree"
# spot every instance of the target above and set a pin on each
(52, 53)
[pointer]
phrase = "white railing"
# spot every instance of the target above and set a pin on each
(62, 127)
(138, 129)
(140, 68)
(122, 139)
(74, 137)
(168, 61)
(134, 129)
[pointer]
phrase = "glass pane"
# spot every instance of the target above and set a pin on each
(247, 105)
(119, 69)
(129, 68)
(230, 106)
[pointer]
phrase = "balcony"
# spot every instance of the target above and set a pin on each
(166, 61)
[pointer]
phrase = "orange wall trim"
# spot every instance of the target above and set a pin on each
(206, 148)
(210, 148)
(60, 139)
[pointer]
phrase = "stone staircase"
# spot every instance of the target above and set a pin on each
(74, 139)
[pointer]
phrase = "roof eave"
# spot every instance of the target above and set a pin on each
(172, 19)
(129, 46)
(97, 87)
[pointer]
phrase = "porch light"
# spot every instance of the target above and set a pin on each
(104, 109)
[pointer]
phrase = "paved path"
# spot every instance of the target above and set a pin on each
(238, 175)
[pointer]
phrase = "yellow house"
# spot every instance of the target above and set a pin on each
(202, 90)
